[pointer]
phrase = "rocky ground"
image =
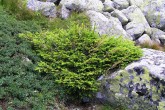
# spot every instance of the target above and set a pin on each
(139, 20)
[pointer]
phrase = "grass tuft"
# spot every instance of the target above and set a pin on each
(154, 45)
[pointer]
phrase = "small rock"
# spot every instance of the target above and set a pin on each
(145, 39)
(65, 12)
(158, 36)
(122, 18)
(135, 30)
(121, 4)
(47, 8)
(139, 23)
(108, 6)
(106, 24)
(82, 5)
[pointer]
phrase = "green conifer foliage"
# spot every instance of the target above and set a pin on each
(77, 57)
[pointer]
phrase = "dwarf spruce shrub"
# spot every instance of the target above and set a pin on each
(78, 56)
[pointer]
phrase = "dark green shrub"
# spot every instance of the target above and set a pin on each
(22, 88)
(78, 56)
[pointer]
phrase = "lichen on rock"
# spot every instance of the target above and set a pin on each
(137, 88)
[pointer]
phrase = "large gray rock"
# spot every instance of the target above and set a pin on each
(139, 3)
(121, 4)
(138, 24)
(158, 36)
(153, 61)
(122, 18)
(65, 12)
(82, 5)
(141, 85)
(106, 24)
(145, 39)
(108, 6)
(135, 29)
(79, 5)
(155, 13)
(153, 10)
(47, 8)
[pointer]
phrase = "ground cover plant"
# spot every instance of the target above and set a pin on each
(21, 87)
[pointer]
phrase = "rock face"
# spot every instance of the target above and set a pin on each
(145, 39)
(153, 61)
(47, 8)
(109, 6)
(106, 24)
(154, 13)
(82, 5)
(121, 4)
(158, 35)
(153, 10)
(142, 82)
(79, 5)
(138, 24)
(122, 18)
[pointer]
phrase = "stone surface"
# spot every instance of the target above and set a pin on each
(108, 6)
(155, 13)
(47, 8)
(65, 12)
(82, 5)
(121, 4)
(56, 2)
(138, 3)
(141, 85)
(153, 60)
(122, 18)
(145, 39)
(52, 1)
(135, 29)
(158, 36)
(106, 24)
(153, 10)
(138, 24)
(79, 6)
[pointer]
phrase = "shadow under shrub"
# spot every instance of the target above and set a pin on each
(78, 56)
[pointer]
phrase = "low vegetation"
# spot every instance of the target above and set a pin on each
(77, 57)
(53, 60)
(153, 45)
(21, 87)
